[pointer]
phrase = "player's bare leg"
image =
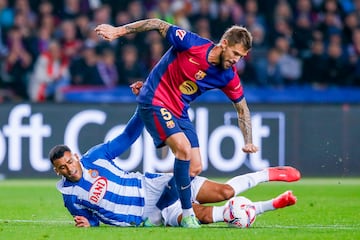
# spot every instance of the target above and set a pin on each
(195, 162)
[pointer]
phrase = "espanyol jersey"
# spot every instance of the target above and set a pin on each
(184, 73)
(105, 192)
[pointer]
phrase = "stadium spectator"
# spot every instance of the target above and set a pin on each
(46, 10)
(51, 72)
(23, 7)
(42, 40)
(17, 63)
(251, 8)
(203, 9)
(337, 65)
(165, 98)
(131, 69)
(302, 36)
(102, 14)
(305, 8)
(107, 69)
(268, 71)
(354, 57)
(83, 26)
(136, 10)
(331, 24)
(300, 21)
(223, 21)
(202, 27)
(156, 50)
(351, 23)
(95, 189)
(290, 66)
(162, 11)
(70, 44)
(71, 9)
(84, 70)
(138, 40)
(180, 12)
(6, 15)
(314, 66)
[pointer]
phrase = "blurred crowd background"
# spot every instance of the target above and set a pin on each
(49, 45)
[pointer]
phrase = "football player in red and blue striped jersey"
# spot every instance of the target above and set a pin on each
(192, 66)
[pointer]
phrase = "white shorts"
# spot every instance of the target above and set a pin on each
(153, 189)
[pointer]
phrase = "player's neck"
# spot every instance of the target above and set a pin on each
(214, 55)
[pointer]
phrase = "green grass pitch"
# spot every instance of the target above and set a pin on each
(326, 209)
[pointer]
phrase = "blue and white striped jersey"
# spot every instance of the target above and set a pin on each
(105, 192)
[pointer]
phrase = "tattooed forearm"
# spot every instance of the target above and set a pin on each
(147, 25)
(244, 120)
(245, 126)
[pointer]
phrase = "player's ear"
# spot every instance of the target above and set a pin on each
(224, 43)
(76, 156)
(57, 173)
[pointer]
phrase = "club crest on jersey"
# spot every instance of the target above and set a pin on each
(170, 124)
(94, 173)
(188, 87)
(98, 190)
(180, 33)
(200, 75)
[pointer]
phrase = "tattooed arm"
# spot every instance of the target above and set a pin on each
(109, 32)
(244, 121)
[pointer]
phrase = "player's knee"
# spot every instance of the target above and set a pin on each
(182, 151)
(195, 170)
(227, 192)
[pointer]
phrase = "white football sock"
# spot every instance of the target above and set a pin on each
(263, 206)
(218, 213)
(244, 182)
(188, 212)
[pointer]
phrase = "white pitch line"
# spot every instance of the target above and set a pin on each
(34, 221)
(312, 226)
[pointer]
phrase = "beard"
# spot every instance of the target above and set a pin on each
(223, 63)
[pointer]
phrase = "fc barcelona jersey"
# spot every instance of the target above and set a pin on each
(184, 73)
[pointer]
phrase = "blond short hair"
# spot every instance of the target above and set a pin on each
(238, 34)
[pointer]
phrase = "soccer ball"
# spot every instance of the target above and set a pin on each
(239, 212)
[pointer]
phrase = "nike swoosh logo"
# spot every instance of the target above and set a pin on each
(192, 61)
(185, 187)
(238, 86)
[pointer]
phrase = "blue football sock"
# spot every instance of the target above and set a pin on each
(182, 179)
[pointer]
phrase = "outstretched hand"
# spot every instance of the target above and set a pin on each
(109, 32)
(81, 221)
(136, 86)
(250, 148)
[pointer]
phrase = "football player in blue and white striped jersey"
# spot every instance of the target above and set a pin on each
(96, 190)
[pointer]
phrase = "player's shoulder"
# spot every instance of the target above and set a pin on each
(60, 185)
(230, 73)
(182, 34)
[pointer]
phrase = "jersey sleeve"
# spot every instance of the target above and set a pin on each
(181, 39)
(119, 144)
(76, 210)
(234, 90)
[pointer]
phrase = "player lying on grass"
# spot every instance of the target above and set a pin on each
(95, 189)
